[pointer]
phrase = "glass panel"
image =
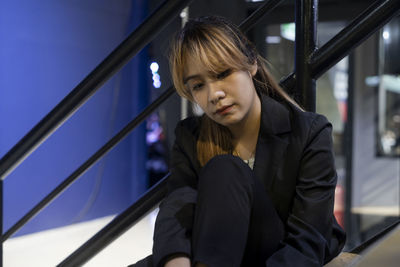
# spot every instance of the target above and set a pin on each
(375, 173)
(389, 90)
(332, 92)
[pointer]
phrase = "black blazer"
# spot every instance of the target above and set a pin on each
(293, 159)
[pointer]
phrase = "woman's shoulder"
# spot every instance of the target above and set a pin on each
(307, 126)
(190, 125)
(311, 120)
(188, 129)
(281, 112)
(304, 119)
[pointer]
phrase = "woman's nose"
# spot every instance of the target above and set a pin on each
(216, 94)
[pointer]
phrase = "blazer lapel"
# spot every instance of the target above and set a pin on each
(272, 141)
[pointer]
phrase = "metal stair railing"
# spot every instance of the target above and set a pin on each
(337, 48)
(310, 63)
(137, 40)
(86, 165)
(367, 23)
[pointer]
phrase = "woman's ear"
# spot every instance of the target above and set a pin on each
(253, 69)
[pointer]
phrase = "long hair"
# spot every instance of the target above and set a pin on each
(217, 44)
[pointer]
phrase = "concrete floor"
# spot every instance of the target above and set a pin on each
(49, 248)
(385, 253)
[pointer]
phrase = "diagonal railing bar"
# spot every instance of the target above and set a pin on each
(146, 32)
(254, 17)
(88, 163)
(371, 20)
(378, 236)
(112, 230)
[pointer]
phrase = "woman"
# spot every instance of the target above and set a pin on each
(252, 180)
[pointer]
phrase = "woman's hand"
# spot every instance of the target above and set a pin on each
(178, 262)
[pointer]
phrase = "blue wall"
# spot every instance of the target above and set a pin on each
(47, 47)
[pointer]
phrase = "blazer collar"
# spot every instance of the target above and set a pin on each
(272, 140)
(275, 117)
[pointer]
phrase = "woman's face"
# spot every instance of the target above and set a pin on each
(228, 98)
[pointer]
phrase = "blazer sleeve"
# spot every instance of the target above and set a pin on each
(172, 233)
(313, 236)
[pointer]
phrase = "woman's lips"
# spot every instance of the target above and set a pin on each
(224, 110)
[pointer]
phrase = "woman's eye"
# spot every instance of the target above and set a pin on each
(197, 86)
(224, 74)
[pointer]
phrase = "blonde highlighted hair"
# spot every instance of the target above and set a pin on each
(217, 44)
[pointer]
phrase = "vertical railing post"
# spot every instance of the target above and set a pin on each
(306, 35)
(349, 226)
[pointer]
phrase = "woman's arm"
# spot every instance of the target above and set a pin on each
(313, 235)
(172, 233)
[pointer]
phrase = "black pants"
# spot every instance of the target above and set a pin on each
(235, 221)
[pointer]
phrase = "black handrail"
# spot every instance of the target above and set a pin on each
(378, 236)
(145, 33)
(257, 15)
(371, 20)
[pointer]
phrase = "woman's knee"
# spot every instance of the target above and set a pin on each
(224, 170)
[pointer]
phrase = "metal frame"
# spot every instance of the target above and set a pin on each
(320, 60)
(310, 64)
(305, 45)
